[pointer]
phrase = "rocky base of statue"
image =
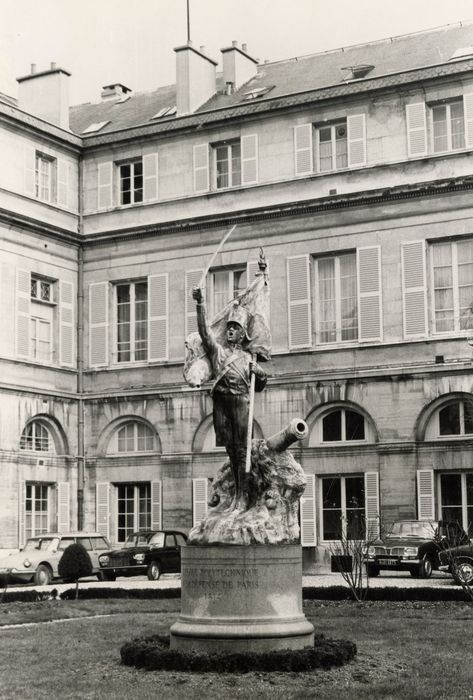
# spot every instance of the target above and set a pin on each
(269, 513)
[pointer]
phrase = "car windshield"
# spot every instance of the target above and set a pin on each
(130, 541)
(157, 539)
(43, 543)
(422, 529)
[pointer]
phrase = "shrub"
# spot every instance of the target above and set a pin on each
(153, 653)
(74, 564)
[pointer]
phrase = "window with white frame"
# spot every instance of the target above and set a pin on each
(134, 437)
(336, 299)
(36, 437)
(133, 509)
(40, 329)
(343, 507)
(456, 418)
(332, 147)
(448, 126)
(342, 425)
(131, 182)
(452, 273)
(227, 164)
(37, 509)
(45, 177)
(41, 289)
(225, 285)
(132, 321)
(456, 498)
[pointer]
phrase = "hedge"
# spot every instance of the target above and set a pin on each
(154, 654)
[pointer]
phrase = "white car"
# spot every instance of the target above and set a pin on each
(38, 560)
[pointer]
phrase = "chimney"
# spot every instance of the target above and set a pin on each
(196, 80)
(115, 91)
(46, 95)
(238, 65)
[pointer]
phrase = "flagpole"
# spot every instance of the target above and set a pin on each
(250, 419)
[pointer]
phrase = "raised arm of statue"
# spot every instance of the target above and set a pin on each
(208, 338)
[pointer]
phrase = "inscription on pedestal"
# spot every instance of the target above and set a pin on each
(221, 579)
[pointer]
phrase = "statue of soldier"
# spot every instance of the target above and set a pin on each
(232, 367)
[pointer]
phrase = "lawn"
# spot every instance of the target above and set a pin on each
(405, 650)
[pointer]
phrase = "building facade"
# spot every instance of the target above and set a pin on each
(352, 169)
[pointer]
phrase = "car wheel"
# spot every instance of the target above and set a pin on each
(154, 571)
(463, 572)
(106, 576)
(372, 570)
(43, 575)
(426, 567)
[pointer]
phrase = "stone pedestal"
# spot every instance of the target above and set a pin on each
(241, 598)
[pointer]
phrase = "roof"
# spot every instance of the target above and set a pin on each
(292, 76)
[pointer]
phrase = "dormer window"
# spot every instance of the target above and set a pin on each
(257, 92)
(356, 72)
(95, 126)
(165, 112)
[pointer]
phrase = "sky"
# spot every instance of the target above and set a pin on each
(131, 41)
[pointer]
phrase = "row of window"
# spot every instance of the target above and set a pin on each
(334, 426)
(342, 505)
(318, 148)
(332, 299)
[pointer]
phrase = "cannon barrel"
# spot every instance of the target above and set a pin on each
(296, 430)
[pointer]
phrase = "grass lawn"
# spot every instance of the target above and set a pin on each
(405, 650)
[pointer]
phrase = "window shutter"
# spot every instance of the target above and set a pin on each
(201, 167)
(307, 514)
(66, 324)
(199, 500)
(372, 505)
(105, 186)
(102, 508)
(62, 183)
(98, 324)
(468, 111)
(368, 267)
(193, 278)
(298, 294)
(156, 505)
(150, 177)
(23, 295)
(30, 171)
(416, 129)
(425, 494)
(414, 289)
(158, 307)
(249, 159)
(21, 514)
(356, 138)
(303, 149)
(62, 507)
(251, 270)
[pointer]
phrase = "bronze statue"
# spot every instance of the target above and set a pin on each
(232, 366)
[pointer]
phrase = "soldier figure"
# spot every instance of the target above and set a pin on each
(232, 366)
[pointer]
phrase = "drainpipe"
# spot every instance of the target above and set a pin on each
(80, 360)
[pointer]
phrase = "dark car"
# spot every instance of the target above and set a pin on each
(459, 562)
(414, 546)
(150, 552)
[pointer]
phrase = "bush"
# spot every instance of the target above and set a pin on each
(153, 653)
(74, 564)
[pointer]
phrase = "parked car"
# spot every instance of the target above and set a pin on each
(150, 552)
(414, 546)
(38, 560)
(459, 562)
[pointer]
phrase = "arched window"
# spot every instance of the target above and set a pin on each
(452, 419)
(343, 425)
(36, 437)
(340, 423)
(210, 441)
(134, 437)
